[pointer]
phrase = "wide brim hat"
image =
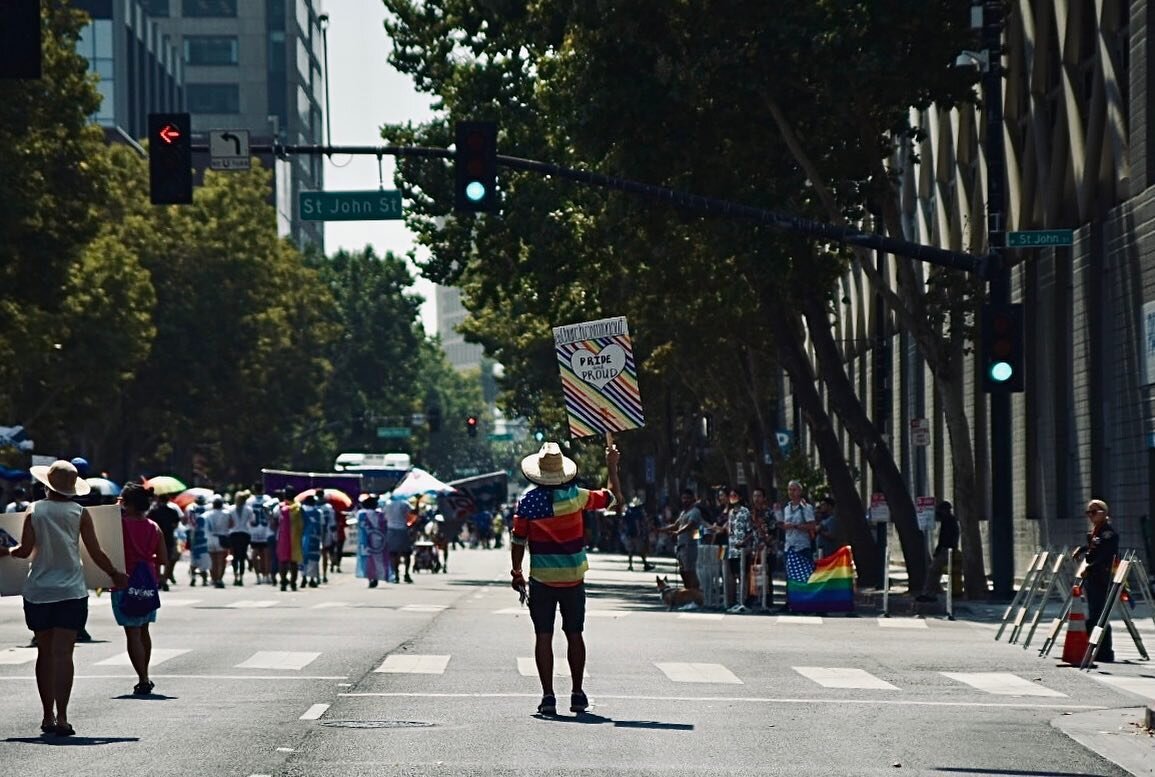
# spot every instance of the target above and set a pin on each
(549, 466)
(62, 477)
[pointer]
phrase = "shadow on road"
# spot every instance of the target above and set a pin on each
(1023, 773)
(73, 741)
(147, 697)
(590, 718)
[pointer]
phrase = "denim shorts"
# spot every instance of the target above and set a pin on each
(545, 600)
(70, 614)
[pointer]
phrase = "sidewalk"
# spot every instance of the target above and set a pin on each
(1119, 735)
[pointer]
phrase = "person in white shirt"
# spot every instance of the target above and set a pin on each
(329, 558)
(218, 524)
(19, 501)
(240, 535)
(259, 532)
(799, 525)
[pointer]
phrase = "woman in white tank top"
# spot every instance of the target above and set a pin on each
(55, 594)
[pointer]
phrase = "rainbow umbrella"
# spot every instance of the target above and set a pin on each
(165, 484)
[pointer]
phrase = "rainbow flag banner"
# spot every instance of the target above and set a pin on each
(829, 589)
(598, 377)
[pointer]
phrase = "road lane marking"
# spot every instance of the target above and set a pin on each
(801, 620)
(1002, 684)
(195, 677)
(902, 623)
(170, 602)
(408, 664)
(424, 608)
(607, 613)
(840, 677)
(328, 605)
(14, 656)
(315, 712)
(511, 611)
(1140, 686)
(698, 673)
(745, 699)
(249, 604)
(159, 656)
(701, 616)
(527, 667)
(278, 659)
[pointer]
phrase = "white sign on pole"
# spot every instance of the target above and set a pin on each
(924, 508)
(920, 432)
(229, 150)
(879, 509)
(1148, 343)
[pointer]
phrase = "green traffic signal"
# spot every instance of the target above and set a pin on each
(1001, 372)
(475, 191)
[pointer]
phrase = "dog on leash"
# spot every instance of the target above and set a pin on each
(679, 597)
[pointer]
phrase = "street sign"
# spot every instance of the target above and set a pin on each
(879, 509)
(380, 205)
(920, 432)
(500, 437)
(229, 150)
(393, 432)
(1041, 238)
(417, 419)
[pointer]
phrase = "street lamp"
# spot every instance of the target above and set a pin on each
(323, 21)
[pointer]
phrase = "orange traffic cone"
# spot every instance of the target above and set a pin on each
(1076, 643)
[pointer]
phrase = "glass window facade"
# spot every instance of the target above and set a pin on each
(95, 45)
(156, 7)
(208, 8)
(210, 50)
(214, 98)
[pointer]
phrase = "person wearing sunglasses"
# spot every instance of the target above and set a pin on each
(1100, 552)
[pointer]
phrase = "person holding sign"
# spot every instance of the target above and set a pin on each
(55, 594)
(548, 521)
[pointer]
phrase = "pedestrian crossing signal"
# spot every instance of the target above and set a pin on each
(1001, 352)
(169, 158)
(475, 167)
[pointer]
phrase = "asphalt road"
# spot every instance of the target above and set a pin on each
(435, 678)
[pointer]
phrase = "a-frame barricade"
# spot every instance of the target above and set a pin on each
(1058, 585)
(1020, 595)
(1130, 576)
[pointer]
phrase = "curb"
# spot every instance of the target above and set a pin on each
(1122, 736)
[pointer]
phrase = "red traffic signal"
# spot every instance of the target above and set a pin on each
(471, 425)
(170, 178)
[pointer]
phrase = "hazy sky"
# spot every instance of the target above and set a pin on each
(366, 93)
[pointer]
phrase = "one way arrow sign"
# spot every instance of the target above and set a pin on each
(229, 150)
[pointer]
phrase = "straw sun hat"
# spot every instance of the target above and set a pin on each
(61, 476)
(549, 467)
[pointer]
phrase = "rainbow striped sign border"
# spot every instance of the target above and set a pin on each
(598, 377)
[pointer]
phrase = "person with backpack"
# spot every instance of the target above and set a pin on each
(134, 606)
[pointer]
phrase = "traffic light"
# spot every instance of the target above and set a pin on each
(20, 39)
(1002, 358)
(475, 166)
(433, 416)
(471, 425)
(169, 158)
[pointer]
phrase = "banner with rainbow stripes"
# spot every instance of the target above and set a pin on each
(830, 587)
(598, 377)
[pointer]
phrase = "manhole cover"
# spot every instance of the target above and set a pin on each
(376, 723)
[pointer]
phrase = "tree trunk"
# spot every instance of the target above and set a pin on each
(866, 435)
(848, 504)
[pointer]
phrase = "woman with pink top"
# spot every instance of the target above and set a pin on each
(143, 541)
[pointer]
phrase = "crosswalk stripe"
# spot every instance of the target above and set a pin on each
(167, 602)
(409, 664)
(841, 677)
(315, 712)
(527, 667)
(159, 656)
(278, 659)
(329, 605)
(701, 616)
(511, 611)
(1141, 686)
(245, 604)
(424, 608)
(14, 656)
(1002, 684)
(801, 620)
(902, 623)
(698, 673)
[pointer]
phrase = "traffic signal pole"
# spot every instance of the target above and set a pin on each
(1002, 532)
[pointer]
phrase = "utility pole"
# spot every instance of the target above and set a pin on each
(1002, 533)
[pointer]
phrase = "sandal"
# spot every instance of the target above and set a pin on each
(48, 728)
(548, 706)
(143, 689)
(64, 730)
(578, 702)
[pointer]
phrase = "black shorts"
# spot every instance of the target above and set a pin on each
(69, 614)
(544, 601)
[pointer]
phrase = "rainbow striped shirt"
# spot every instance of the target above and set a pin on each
(549, 521)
